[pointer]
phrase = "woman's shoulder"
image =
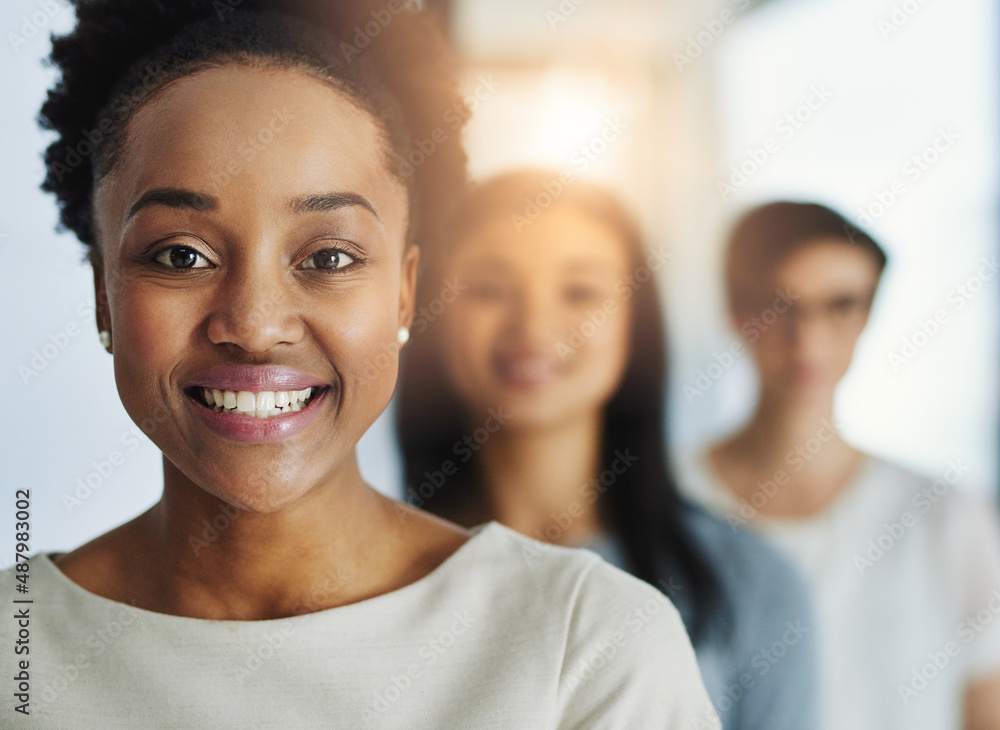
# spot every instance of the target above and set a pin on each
(572, 574)
(571, 587)
(610, 624)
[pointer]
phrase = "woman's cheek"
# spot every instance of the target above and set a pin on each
(360, 340)
(150, 330)
(607, 349)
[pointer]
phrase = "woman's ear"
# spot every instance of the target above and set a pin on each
(408, 285)
(101, 310)
(736, 318)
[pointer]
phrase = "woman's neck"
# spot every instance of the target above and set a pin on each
(194, 555)
(537, 480)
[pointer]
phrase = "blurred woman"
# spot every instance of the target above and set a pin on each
(534, 394)
(904, 570)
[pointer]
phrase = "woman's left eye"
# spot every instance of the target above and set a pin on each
(181, 257)
(328, 258)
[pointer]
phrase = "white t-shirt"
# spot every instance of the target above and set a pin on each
(506, 633)
(905, 578)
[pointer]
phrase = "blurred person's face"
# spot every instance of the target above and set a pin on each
(541, 330)
(276, 238)
(803, 336)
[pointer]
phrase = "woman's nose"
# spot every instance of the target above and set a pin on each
(254, 309)
(536, 317)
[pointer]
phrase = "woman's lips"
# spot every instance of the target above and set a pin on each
(251, 428)
(528, 370)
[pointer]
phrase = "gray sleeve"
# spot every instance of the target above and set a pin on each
(779, 656)
(767, 667)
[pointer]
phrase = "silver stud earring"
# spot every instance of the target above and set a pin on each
(105, 337)
(403, 335)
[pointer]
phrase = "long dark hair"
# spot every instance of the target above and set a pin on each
(643, 507)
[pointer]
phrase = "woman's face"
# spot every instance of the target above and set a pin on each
(803, 336)
(253, 221)
(541, 329)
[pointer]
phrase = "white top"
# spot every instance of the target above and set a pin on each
(904, 573)
(505, 633)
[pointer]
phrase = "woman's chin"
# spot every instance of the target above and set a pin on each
(251, 492)
(537, 413)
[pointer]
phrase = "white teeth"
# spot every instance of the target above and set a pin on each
(265, 400)
(246, 401)
(266, 404)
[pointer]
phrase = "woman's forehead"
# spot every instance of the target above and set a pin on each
(268, 133)
(564, 234)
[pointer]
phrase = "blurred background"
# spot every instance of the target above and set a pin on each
(693, 110)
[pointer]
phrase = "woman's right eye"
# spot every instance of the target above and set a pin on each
(580, 294)
(181, 257)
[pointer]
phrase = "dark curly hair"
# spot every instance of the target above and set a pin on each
(388, 58)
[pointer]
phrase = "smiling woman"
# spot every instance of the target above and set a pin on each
(235, 172)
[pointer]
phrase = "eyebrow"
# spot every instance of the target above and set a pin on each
(173, 198)
(332, 201)
(190, 200)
